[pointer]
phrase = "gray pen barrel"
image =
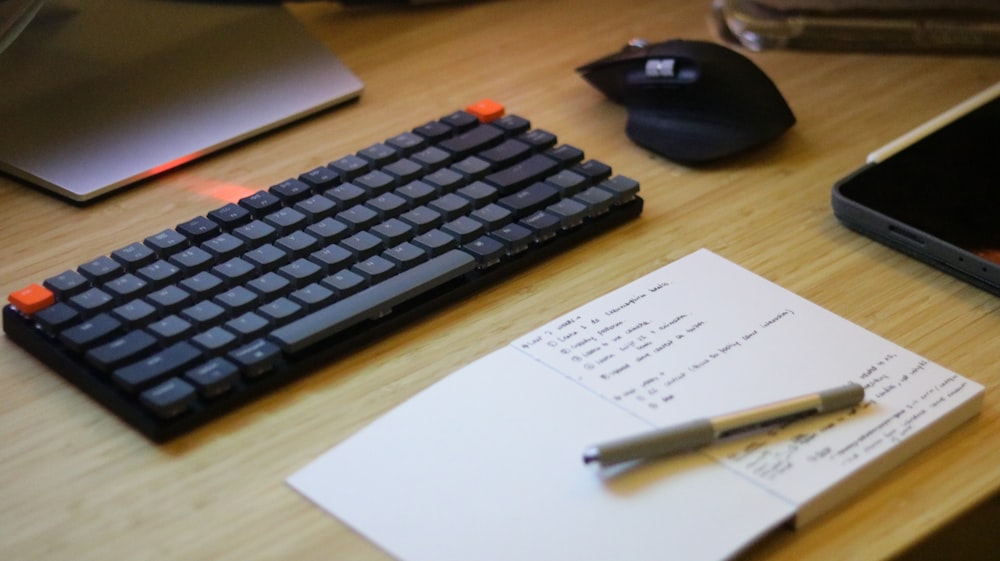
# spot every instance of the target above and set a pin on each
(840, 398)
(671, 440)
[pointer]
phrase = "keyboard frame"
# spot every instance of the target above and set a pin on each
(21, 330)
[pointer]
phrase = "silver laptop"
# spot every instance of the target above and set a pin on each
(98, 94)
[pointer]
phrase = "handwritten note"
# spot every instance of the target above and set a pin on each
(705, 337)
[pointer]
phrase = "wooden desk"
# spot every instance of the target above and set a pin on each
(76, 483)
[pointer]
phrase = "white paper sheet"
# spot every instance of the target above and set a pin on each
(486, 464)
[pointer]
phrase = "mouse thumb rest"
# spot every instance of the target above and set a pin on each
(694, 139)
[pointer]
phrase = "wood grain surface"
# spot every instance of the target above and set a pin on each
(77, 483)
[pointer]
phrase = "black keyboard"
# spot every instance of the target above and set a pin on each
(193, 321)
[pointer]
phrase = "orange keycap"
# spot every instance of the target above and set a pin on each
(486, 110)
(32, 299)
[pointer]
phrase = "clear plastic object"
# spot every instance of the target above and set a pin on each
(969, 26)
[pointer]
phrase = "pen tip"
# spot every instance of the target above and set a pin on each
(591, 455)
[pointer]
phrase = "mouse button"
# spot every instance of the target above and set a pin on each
(661, 67)
(673, 70)
(623, 57)
(649, 84)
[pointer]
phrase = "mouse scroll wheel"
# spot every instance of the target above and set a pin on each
(660, 68)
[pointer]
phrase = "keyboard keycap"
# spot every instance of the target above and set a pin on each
(257, 358)
(215, 340)
(513, 124)
(134, 256)
(375, 182)
(90, 332)
(407, 142)
(405, 255)
(487, 250)
(67, 283)
(379, 154)
(101, 269)
(522, 174)
(169, 299)
(332, 258)
(566, 154)
(256, 233)
(316, 207)
(291, 190)
(32, 299)
(230, 216)
(624, 188)
(460, 120)
(247, 326)
(464, 229)
(320, 178)
(192, 260)
(198, 229)
(507, 152)
(527, 201)
(597, 199)
(362, 245)
(224, 246)
(435, 131)
(159, 273)
(301, 272)
(328, 230)
(280, 311)
(170, 329)
(436, 241)
(237, 300)
(345, 283)
(55, 317)
(170, 398)
(121, 350)
(202, 285)
(372, 302)
(166, 242)
(204, 314)
(450, 206)
(214, 377)
(261, 203)
(543, 224)
(157, 367)
(134, 314)
(285, 220)
(92, 301)
(477, 138)
(593, 170)
(375, 269)
(570, 212)
(350, 167)
(516, 238)
(312, 297)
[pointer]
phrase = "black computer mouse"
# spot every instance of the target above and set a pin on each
(691, 101)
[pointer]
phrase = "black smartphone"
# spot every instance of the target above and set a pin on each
(934, 194)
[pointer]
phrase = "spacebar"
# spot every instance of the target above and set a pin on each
(372, 302)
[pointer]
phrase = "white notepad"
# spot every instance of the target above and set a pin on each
(486, 464)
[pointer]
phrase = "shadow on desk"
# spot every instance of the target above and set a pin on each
(972, 537)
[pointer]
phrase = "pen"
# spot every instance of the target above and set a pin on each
(702, 432)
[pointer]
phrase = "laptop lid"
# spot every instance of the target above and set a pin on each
(98, 94)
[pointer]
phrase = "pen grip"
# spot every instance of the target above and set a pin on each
(663, 442)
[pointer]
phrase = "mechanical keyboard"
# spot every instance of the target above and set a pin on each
(195, 320)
